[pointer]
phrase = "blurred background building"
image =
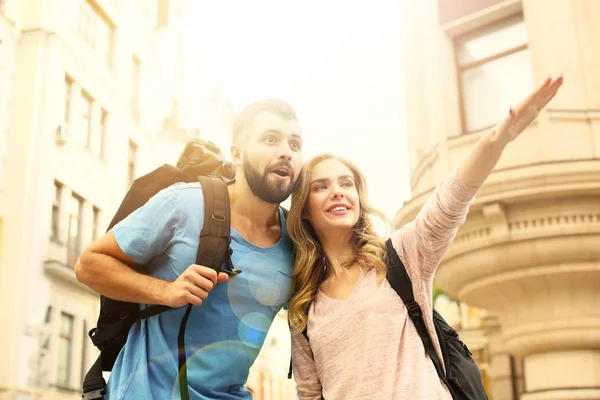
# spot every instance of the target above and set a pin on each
(93, 93)
(529, 253)
(268, 376)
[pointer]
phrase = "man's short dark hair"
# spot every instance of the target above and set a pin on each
(247, 116)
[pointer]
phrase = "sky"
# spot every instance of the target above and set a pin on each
(338, 63)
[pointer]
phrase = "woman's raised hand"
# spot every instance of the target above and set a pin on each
(524, 113)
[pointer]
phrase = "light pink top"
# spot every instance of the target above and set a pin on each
(367, 347)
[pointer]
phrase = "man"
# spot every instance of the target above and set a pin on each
(226, 330)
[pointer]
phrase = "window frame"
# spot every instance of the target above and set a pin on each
(78, 238)
(56, 224)
(461, 68)
(81, 352)
(68, 101)
(94, 26)
(103, 132)
(87, 99)
(69, 337)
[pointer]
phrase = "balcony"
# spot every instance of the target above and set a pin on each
(529, 250)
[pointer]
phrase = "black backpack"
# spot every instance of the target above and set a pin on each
(462, 375)
(200, 161)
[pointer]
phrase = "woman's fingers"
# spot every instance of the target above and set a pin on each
(535, 96)
(540, 97)
(553, 90)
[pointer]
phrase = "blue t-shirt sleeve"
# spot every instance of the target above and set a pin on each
(149, 230)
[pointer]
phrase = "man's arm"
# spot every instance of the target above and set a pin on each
(105, 266)
(106, 269)
(423, 242)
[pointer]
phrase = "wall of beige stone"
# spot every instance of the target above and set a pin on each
(34, 270)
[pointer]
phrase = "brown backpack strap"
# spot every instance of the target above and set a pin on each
(213, 250)
(216, 231)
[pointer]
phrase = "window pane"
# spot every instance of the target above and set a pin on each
(103, 132)
(95, 30)
(85, 120)
(62, 375)
(68, 90)
(56, 211)
(495, 39)
(74, 244)
(489, 92)
(64, 349)
(66, 324)
(84, 351)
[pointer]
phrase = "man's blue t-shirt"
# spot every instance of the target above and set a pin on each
(224, 334)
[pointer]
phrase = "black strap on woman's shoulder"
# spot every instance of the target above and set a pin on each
(400, 282)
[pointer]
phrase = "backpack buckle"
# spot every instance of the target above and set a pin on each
(233, 273)
(414, 310)
(94, 395)
(229, 269)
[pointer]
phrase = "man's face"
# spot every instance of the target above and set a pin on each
(272, 156)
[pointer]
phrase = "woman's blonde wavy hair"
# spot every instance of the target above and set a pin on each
(309, 270)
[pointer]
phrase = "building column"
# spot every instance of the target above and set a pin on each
(63, 212)
(74, 111)
(500, 362)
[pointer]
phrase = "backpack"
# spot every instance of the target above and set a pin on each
(462, 375)
(200, 161)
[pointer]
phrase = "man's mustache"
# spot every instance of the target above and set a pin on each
(284, 164)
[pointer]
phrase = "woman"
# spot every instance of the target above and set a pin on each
(361, 342)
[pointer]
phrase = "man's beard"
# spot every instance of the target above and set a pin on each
(268, 191)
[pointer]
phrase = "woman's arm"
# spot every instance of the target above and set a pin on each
(423, 242)
(482, 160)
(304, 370)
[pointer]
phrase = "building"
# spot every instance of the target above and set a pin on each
(529, 252)
(268, 376)
(8, 37)
(93, 93)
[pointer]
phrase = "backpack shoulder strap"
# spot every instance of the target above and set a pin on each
(216, 231)
(213, 249)
(400, 281)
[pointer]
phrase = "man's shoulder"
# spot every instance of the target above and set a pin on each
(184, 191)
(185, 187)
(180, 195)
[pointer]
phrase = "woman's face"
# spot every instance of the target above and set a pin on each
(333, 203)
